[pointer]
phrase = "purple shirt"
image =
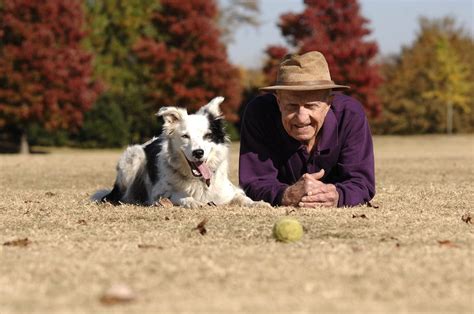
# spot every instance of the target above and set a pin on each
(271, 160)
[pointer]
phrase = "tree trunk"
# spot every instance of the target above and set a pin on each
(449, 119)
(24, 147)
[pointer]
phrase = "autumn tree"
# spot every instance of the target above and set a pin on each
(339, 31)
(188, 63)
(45, 74)
(429, 87)
(274, 56)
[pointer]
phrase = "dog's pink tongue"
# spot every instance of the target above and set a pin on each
(204, 170)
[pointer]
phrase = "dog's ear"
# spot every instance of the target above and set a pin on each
(213, 107)
(171, 115)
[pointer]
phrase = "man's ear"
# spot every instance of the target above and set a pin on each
(171, 115)
(212, 108)
(277, 97)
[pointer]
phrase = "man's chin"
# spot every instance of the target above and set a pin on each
(303, 137)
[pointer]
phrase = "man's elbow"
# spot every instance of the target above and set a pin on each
(354, 196)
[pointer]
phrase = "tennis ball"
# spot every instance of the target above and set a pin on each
(287, 230)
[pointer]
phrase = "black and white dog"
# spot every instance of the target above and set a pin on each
(187, 163)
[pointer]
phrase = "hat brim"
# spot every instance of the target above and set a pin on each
(304, 87)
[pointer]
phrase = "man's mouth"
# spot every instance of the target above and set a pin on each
(302, 126)
(200, 169)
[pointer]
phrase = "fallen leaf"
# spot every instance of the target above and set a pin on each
(82, 222)
(447, 243)
(201, 227)
(388, 238)
(30, 201)
(164, 202)
(360, 216)
(369, 204)
(116, 294)
(18, 242)
(150, 246)
(467, 218)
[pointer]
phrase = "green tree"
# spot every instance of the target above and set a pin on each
(429, 87)
(115, 26)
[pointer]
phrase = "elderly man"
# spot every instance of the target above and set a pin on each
(306, 145)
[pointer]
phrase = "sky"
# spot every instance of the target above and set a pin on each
(394, 24)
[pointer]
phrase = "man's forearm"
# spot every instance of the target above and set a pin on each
(270, 192)
(354, 193)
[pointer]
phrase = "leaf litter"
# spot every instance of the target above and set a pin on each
(18, 242)
(201, 227)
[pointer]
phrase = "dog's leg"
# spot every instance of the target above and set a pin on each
(129, 185)
(241, 199)
(185, 201)
(115, 196)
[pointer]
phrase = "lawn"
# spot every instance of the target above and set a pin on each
(414, 253)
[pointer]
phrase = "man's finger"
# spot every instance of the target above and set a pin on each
(315, 204)
(319, 197)
(317, 175)
(312, 186)
(316, 188)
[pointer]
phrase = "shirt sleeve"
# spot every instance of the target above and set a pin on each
(356, 164)
(258, 175)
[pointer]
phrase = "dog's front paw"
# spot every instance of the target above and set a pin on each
(260, 204)
(244, 200)
(190, 202)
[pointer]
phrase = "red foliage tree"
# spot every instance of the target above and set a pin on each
(45, 75)
(274, 56)
(187, 61)
(338, 30)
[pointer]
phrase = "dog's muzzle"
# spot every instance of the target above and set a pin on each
(200, 169)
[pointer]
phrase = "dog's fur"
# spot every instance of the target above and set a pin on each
(163, 167)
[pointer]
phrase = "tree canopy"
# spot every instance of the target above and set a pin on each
(45, 73)
(187, 61)
(339, 31)
(429, 87)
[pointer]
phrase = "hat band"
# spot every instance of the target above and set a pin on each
(307, 83)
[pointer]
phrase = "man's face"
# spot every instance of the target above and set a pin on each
(303, 113)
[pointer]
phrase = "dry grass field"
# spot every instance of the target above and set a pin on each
(413, 253)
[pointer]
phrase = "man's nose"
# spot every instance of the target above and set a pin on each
(302, 114)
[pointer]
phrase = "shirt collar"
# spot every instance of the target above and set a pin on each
(328, 135)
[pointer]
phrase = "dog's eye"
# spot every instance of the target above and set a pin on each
(185, 136)
(207, 136)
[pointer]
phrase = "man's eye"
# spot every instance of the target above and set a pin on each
(207, 136)
(315, 106)
(185, 136)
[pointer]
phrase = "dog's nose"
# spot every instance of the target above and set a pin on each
(198, 153)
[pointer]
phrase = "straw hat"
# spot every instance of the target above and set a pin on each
(304, 72)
